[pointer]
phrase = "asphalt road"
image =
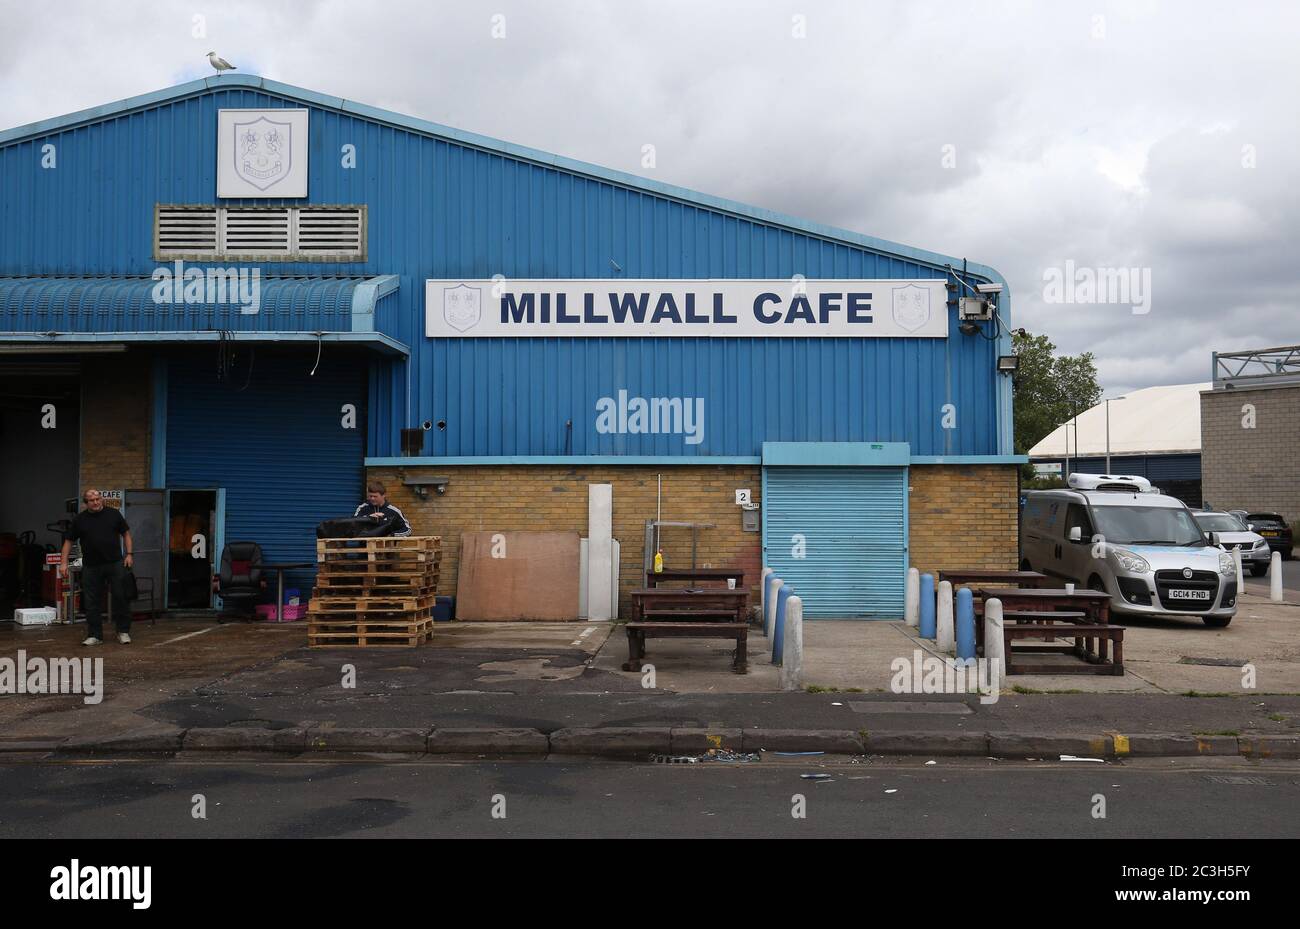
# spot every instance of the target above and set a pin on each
(1200, 798)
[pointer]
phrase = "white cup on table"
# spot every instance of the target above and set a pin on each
(1069, 588)
(731, 583)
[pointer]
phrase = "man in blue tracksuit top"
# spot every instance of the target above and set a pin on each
(377, 505)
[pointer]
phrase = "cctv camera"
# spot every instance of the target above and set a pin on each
(989, 288)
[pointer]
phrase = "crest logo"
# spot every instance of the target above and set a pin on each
(911, 307)
(462, 306)
(263, 153)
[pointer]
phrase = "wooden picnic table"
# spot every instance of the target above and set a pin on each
(653, 579)
(1049, 613)
(712, 613)
(966, 577)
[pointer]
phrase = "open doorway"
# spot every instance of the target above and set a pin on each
(190, 549)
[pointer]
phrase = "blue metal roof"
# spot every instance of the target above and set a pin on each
(488, 144)
(63, 309)
(442, 203)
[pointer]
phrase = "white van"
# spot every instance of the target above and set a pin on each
(1118, 534)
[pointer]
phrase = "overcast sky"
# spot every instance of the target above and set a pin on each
(1162, 137)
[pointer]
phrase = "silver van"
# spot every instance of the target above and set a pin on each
(1118, 534)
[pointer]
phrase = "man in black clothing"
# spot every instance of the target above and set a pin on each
(101, 531)
(377, 506)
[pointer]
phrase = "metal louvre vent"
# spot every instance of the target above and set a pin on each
(329, 231)
(287, 233)
(257, 232)
(193, 231)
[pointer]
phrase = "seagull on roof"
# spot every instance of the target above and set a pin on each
(219, 63)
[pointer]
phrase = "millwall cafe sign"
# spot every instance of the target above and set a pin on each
(722, 308)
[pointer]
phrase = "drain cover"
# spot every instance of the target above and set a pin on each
(1239, 780)
(1216, 662)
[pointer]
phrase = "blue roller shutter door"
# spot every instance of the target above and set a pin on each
(853, 523)
(278, 446)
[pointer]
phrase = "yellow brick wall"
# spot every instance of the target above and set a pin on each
(544, 497)
(960, 516)
(115, 422)
(963, 516)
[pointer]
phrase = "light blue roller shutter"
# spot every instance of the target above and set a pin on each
(854, 525)
(278, 446)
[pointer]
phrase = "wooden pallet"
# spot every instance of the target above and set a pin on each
(393, 587)
(387, 544)
(352, 603)
(369, 633)
(361, 556)
(375, 569)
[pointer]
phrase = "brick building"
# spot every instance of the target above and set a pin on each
(1250, 432)
(245, 299)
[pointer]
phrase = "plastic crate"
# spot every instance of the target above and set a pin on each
(292, 614)
(36, 616)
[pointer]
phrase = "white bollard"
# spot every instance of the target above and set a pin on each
(945, 636)
(994, 646)
(792, 646)
(762, 592)
(912, 598)
(1275, 577)
(769, 611)
(1236, 560)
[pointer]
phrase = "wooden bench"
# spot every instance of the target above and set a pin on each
(1092, 662)
(715, 613)
(695, 576)
(1049, 613)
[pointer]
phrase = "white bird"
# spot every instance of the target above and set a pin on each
(219, 63)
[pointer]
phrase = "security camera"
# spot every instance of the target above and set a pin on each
(989, 288)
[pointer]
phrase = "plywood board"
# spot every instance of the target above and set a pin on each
(536, 579)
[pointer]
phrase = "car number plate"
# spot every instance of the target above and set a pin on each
(1180, 594)
(1268, 532)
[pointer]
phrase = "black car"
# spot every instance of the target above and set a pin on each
(1274, 530)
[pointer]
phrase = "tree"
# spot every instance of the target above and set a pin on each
(1050, 389)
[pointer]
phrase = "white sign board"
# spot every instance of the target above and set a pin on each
(262, 153)
(1044, 469)
(713, 308)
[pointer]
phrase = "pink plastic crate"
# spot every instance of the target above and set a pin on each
(291, 613)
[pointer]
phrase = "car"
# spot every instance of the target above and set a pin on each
(1118, 534)
(1233, 535)
(1275, 531)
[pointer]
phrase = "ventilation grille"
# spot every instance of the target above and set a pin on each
(330, 232)
(257, 232)
(267, 233)
(189, 231)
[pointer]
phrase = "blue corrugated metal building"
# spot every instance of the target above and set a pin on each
(262, 417)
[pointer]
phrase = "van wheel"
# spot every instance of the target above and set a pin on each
(1216, 622)
(1258, 570)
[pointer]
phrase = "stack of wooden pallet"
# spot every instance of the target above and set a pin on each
(374, 592)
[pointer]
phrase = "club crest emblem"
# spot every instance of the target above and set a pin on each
(911, 306)
(263, 153)
(462, 306)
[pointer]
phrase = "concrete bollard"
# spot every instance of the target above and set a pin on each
(925, 624)
(912, 597)
(778, 628)
(965, 624)
(943, 629)
(1275, 577)
(1236, 561)
(995, 651)
(792, 658)
(769, 609)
